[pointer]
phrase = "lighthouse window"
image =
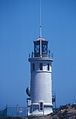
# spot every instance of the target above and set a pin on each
(48, 67)
(44, 48)
(41, 106)
(41, 66)
(37, 48)
(33, 66)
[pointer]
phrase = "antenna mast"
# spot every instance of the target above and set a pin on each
(40, 20)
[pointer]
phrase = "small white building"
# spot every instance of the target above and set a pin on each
(41, 79)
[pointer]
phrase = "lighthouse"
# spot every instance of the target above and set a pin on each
(40, 92)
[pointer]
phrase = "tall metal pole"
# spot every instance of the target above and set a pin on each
(40, 20)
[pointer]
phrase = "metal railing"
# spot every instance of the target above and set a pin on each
(13, 111)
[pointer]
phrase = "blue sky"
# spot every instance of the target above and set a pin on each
(19, 26)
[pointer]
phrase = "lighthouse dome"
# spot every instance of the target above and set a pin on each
(41, 38)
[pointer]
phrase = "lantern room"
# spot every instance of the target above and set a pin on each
(40, 48)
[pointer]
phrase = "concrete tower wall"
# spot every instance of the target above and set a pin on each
(41, 83)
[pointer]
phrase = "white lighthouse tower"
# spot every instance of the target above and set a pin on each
(41, 79)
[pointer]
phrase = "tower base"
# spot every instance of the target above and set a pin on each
(40, 117)
(41, 113)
